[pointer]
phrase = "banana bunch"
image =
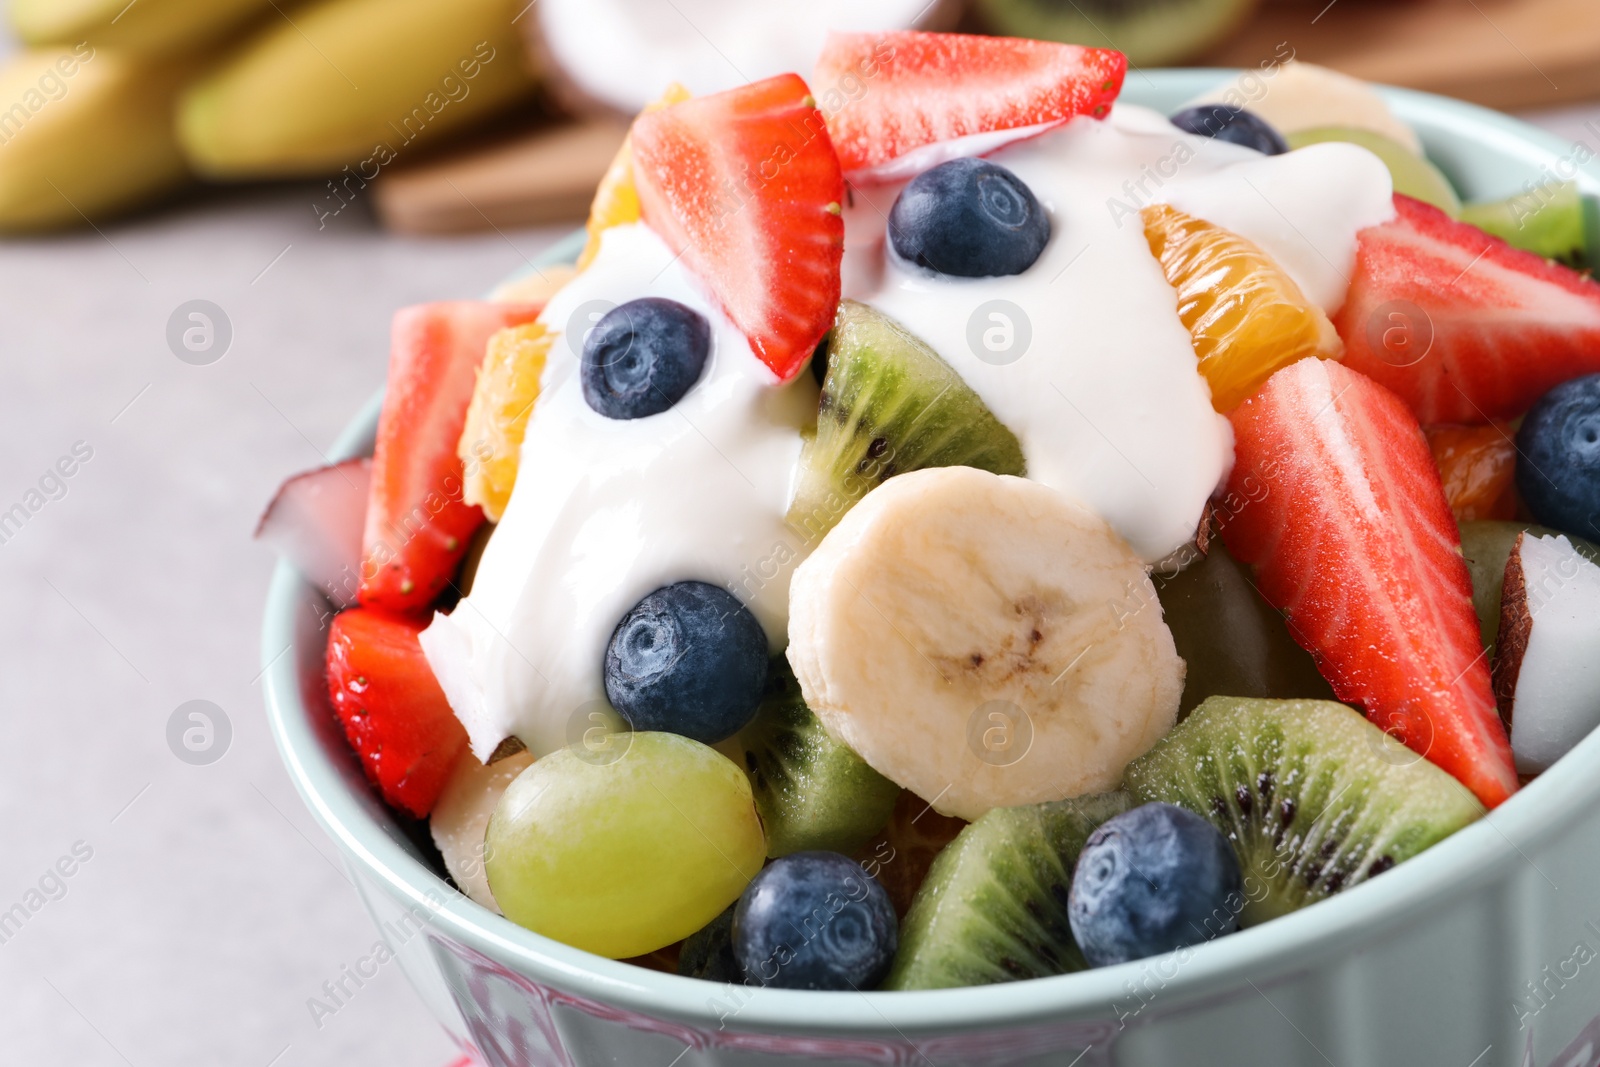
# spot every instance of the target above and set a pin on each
(115, 103)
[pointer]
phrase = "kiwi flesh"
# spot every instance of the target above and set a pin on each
(1234, 642)
(1487, 544)
(1313, 797)
(812, 792)
(708, 953)
(994, 905)
(889, 405)
(1150, 32)
(1556, 221)
(1411, 174)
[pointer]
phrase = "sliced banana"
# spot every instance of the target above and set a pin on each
(984, 641)
(461, 819)
(1303, 96)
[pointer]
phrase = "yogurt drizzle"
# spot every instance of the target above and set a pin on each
(1104, 397)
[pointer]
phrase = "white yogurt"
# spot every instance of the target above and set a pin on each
(1105, 400)
(606, 511)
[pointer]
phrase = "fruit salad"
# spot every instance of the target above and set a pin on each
(951, 527)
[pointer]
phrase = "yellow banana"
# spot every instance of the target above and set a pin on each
(84, 132)
(354, 82)
(145, 27)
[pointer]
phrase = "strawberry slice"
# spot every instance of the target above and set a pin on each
(745, 186)
(1335, 500)
(394, 713)
(1463, 327)
(417, 525)
(890, 93)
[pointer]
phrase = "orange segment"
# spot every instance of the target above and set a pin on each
(616, 200)
(508, 384)
(1245, 315)
(1478, 465)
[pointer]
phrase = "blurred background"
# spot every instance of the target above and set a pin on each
(293, 172)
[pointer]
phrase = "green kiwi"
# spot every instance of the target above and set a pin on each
(1555, 221)
(708, 953)
(1486, 544)
(994, 905)
(811, 791)
(1233, 641)
(1412, 174)
(889, 405)
(1151, 32)
(1314, 798)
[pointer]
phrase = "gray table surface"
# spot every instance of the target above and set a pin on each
(212, 908)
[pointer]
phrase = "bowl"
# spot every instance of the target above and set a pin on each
(1480, 953)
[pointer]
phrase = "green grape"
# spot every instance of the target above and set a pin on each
(627, 848)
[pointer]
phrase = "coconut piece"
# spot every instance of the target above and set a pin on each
(460, 820)
(1547, 666)
(315, 521)
(618, 55)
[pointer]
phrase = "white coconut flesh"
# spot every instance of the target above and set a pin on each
(623, 54)
(1547, 667)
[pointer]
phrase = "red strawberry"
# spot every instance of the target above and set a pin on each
(745, 186)
(417, 524)
(890, 93)
(1335, 500)
(393, 711)
(1480, 331)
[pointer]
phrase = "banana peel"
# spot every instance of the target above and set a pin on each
(85, 132)
(354, 82)
(142, 27)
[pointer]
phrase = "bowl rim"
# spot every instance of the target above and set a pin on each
(1294, 943)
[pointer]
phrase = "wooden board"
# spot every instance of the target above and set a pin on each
(1506, 54)
(1502, 53)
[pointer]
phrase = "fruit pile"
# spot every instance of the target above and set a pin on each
(960, 729)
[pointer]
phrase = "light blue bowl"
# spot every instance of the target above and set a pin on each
(1484, 951)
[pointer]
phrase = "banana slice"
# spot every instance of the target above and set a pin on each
(984, 641)
(460, 820)
(1304, 96)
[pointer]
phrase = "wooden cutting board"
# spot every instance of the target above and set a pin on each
(1502, 53)
(1505, 54)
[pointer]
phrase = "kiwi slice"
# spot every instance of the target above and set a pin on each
(889, 405)
(1556, 222)
(1151, 32)
(708, 953)
(994, 906)
(1412, 174)
(1487, 544)
(811, 791)
(1234, 642)
(1314, 798)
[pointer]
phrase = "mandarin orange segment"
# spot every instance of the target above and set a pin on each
(1246, 316)
(1478, 465)
(616, 199)
(900, 856)
(508, 384)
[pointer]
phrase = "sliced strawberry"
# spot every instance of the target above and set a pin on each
(394, 713)
(1335, 500)
(1463, 327)
(417, 524)
(745, 186)
(890, 93)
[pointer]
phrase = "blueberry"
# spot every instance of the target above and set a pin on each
(688, 659)
(969, 218)
(1152, 880)
(1232, 124)
(708, 954)
(1558, 458)
(642, 356)
(815, 920)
